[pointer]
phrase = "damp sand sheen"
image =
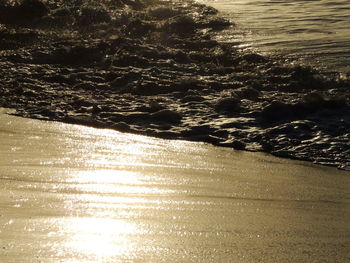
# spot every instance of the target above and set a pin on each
(76, 194)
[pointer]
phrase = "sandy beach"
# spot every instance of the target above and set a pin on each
(80, 183)
(70, 193)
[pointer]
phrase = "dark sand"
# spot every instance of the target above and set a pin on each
(152, 68)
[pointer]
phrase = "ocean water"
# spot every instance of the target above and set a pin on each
(315, 31)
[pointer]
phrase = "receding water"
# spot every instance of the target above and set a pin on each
(75, 194)
(316, 31)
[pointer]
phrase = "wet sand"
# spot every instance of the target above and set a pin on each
(70, 193)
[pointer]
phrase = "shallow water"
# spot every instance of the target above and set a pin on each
(315, 31)
(69, 193)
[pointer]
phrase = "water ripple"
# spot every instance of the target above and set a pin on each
(308, 27)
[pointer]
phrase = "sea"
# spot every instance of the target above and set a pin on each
(313, 32)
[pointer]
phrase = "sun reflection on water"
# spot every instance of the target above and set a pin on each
(97, 232)
(104, 148)
(114, 183)
(99, 238)
(103, 176)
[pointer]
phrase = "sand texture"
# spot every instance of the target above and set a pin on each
(71, 193)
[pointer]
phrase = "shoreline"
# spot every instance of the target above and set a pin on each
(67, 189)
(152, 68)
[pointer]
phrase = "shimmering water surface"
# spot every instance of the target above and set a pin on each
(75, 194)
(315, 31)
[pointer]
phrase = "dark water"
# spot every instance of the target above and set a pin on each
(315, 31)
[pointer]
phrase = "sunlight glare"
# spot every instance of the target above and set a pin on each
(100, 238)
